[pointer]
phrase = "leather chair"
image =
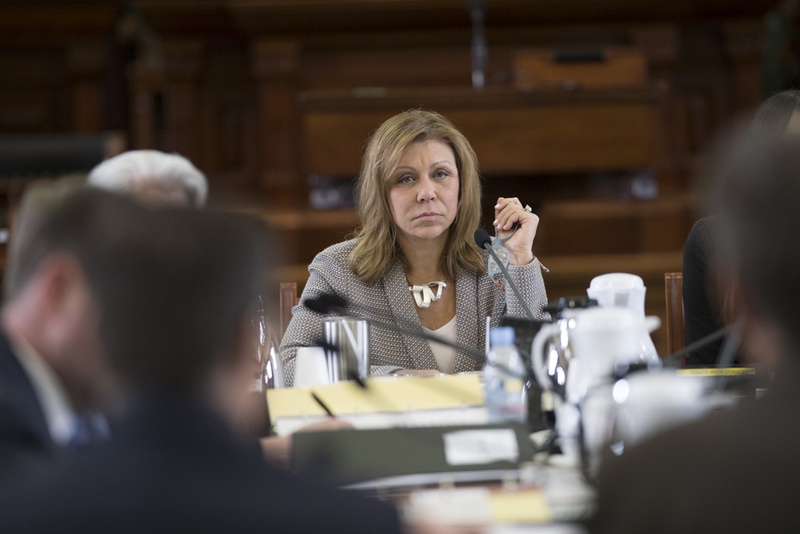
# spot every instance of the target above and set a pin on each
(288, 300)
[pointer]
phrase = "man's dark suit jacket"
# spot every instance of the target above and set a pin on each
(735, 472)
(26, 447)
(173, 466)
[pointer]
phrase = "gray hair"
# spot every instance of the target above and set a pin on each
(130, 171)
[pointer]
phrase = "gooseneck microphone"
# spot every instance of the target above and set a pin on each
(483, 240)
(728, 352)
(328, 303)
(700, 343)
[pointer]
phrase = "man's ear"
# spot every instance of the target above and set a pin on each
(61, 300)
(56, 278)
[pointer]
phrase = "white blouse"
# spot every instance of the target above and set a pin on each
(445, 356)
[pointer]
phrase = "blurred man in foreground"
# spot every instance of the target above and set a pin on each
(159, 179)
(171, 292)
(734, 471)
(52, 368)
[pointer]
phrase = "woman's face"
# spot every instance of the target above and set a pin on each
(423, 191)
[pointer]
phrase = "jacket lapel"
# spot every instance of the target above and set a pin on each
(469, 325)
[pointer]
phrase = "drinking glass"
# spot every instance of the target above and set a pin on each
(268, 368)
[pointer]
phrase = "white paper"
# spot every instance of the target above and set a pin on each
(471, 447)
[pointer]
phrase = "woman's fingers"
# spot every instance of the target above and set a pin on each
(509, 211)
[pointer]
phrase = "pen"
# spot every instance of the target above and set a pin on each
(322, 404)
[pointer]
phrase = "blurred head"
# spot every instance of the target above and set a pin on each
(50, 303)
(153, 177)
(777, 115)
(38, 202)
(177, 296)
(757, 191)
(161, 297)
(378, 244)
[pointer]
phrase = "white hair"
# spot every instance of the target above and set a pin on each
(130, 170)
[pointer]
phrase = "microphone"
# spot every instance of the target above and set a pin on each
(328, 303)
(728, 352)
(700, 343)
(483, 240)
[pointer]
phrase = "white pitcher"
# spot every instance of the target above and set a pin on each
(600, 338)
(623, 290)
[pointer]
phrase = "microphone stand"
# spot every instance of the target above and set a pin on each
(702, 342)
(728, 353)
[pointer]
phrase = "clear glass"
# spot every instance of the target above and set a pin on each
(268, 368)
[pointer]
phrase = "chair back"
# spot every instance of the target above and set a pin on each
(676, 334)
(288, 300)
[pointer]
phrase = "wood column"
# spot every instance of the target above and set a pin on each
(275, 66)
(184, 61)
(744, 48)
(88, 66)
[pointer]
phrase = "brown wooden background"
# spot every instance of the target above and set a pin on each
(270, 97)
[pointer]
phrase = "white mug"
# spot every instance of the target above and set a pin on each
(311, 367)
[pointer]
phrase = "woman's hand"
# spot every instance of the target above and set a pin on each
(508, 211)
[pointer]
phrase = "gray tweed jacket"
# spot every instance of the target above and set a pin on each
(390, 301)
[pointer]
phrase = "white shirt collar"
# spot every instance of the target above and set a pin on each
(52, 396)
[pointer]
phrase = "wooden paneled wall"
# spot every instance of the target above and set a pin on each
(264, 94)
(266, 75)
(60, 68)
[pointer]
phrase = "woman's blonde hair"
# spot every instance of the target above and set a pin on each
(377, 246)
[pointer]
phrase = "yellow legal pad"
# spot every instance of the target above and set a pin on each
(524, 506)
(382, 394)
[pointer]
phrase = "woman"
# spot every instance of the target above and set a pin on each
(707, 305)
(414, 261)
